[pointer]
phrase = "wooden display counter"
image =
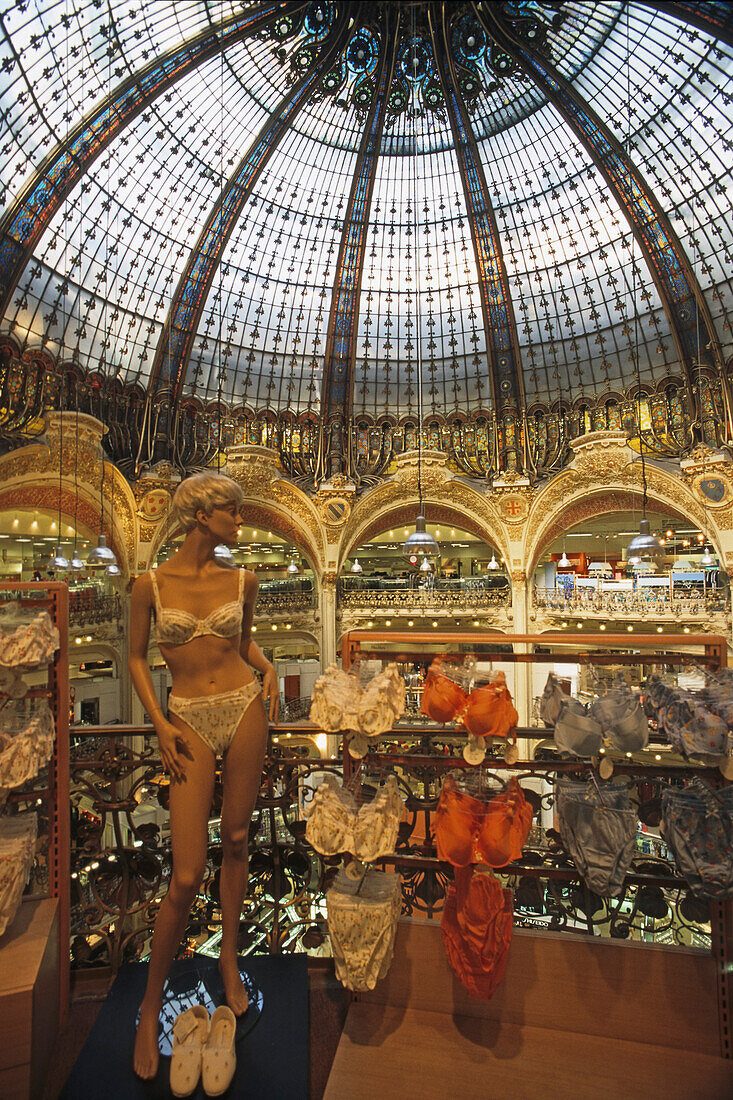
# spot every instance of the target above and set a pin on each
(29, 998)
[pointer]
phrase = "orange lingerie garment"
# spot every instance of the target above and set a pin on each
(487, 712)
(490, 711)
(470, 831)
(477, 930)
(442, 699)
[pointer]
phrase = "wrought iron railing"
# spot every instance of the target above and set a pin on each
(121, 857)
(446, 595)
(88, 606)
(648, 602)
(285, 601)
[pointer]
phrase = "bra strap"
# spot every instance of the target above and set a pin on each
(241, 585)
(156, 593)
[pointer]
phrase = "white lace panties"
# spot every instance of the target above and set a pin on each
(362, 926)
(26, 742)
(26, 644)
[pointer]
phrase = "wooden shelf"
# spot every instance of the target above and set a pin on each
(29, 1001)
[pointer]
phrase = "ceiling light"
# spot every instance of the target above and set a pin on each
(420, 544)
(59, 563)
(410, 622)
(224, 557)
(564, 562)
(707, 559)
(356, 568)
(292, 569)
(602, 626)
(101, 556)
(643, 545)
(493, 564)
(387, 622)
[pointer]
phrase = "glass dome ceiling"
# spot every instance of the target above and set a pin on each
(309, 207)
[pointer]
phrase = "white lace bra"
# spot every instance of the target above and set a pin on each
(174, 626)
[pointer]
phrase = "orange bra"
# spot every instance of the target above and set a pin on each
(470, 831)
(487, 712)
(173, 626)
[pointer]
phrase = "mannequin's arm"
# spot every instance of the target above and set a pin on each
(140, 604)
(252, 653)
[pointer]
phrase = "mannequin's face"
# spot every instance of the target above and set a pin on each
(223, 523)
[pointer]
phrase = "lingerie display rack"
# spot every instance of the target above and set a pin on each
(50, 795)
(684, 650)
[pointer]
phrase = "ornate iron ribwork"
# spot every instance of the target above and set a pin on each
(121, 861)
(31, 214)
(178, 334)
(337, 387)
(680, 293)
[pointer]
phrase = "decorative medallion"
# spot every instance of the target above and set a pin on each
(154, 505)
(513, 507)
(713, 489)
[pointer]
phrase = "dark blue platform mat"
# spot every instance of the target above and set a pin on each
(272, 1044)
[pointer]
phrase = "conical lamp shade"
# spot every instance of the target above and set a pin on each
(493, 564)
(707, 560)
(420, 544)
(59, 563)
(292, 569)
(76, 563)
(644, 545)
(113, 571)
(564, 562)
(356, 568)
(101, 556)
(224, 556)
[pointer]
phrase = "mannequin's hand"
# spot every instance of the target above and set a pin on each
(173, 747)
(271, 693)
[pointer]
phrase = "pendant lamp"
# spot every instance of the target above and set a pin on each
(645, 544)
(564, 562)
(356, 567)
(493, 565)
(76, 563)
(224, 556)
(58, 563)
(426, 566)
(707, 560)
(420, 545)
(101, 556)
(292, 570)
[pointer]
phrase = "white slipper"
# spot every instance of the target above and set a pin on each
(220, 1060)
(190, 1032)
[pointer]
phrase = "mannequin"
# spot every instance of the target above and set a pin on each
(203, 619)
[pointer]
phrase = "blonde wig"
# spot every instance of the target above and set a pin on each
(203, 492)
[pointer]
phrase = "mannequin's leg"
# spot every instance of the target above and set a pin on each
(242, 773)
(189, 805)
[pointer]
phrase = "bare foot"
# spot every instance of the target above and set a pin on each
(234, 991)
(145, 1059)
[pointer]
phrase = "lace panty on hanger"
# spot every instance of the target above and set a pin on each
(362, 924)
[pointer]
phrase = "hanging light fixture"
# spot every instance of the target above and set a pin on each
(493, 565)
(224, 556)
(707, 560)
(356, 567)
(564, 562)
(101, 556)
(292, 570)
(645, 545)
(426, 566)
(420, 545)
(60, 563)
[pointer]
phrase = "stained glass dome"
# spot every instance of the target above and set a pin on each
(366, 212)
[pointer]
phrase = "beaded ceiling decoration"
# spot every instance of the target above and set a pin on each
(219, 199)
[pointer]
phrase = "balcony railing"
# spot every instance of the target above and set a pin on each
(121, 858)
(452, 595)
(268, 602)
(646, 602)
(88, 606)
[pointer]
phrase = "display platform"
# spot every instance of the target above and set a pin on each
(272, 1037)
